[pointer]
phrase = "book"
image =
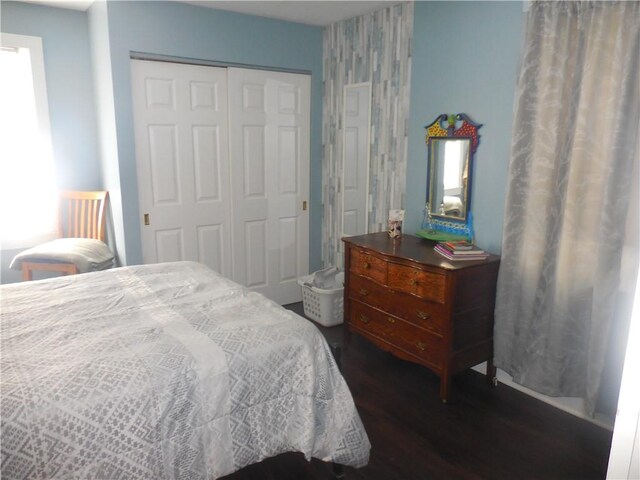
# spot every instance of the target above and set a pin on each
(472, 250)
(458, 245)
(477, 255)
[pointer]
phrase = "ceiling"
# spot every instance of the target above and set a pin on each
(311, 12)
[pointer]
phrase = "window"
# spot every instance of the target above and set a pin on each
(452, 172)
(27, 180)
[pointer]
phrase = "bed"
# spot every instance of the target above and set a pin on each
(163, 371)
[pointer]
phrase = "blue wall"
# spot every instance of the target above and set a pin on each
(65, 39)
(65, 42)
(182, 30)
(465, 60)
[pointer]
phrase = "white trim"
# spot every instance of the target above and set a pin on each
(624, 457)
(625, 445)
(573, 405)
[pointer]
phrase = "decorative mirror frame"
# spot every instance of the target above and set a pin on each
(435, 223)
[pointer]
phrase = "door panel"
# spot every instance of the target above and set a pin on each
(163, 159)
(254, 162)
(256, 253)
(210, 245)
(269, 125)
(206, 153)
(170, 244)
(288, 237)
(181, 122)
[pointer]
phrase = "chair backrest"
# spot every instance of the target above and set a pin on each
(82, 214)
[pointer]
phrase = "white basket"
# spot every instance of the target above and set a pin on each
(323, 305)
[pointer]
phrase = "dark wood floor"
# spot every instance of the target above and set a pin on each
(483, 433)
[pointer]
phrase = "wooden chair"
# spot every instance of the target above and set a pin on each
(80, 215)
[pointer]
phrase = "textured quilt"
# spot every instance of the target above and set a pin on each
(163, 371)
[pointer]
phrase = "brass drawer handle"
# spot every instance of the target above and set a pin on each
(423, 316)
(391, 319)
(366, 265)
(413, 282)
(364, 292)
(422, 346)
(364, 319)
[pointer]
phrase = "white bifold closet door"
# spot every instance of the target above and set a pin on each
(223, 171)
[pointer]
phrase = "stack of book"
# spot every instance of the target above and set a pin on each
(460, 250)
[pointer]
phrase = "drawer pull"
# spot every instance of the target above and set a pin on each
(366, 265)
(364, 292)
(364, 319)
(423, 316)
(422, 346)
(391, 319)
(413, 282)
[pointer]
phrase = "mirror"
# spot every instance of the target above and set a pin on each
(356, 116)
(451, 152)
(449, 177)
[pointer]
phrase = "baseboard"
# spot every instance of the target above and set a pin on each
(574, 406)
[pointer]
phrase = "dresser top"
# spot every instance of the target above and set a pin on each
(412, 248)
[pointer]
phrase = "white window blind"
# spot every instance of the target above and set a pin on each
(27, 181)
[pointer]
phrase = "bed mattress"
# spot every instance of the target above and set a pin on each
(163, 371)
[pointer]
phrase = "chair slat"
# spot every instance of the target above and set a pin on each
(83, 218)
(66, 233)
(91, 222)
(84, 214)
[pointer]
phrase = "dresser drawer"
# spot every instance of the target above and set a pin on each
(367, 291)
(373, 321)
(367, 265)
(422, 313)
(427, 285)
(420, 343)
(419, 312)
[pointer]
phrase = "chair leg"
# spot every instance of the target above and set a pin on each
(27, 273)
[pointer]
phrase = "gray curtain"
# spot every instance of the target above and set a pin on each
(572, 162)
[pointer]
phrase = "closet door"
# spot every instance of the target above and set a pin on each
(180, 117)
(246, 217)
(269, 132)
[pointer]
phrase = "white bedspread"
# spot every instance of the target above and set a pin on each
(163, 371)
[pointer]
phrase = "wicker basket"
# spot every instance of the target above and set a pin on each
(325, 306)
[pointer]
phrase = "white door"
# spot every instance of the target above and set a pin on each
(180, 117)
(356, 159)
(269, 128)
(223, 171)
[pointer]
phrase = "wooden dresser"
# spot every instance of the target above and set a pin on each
(408, 300)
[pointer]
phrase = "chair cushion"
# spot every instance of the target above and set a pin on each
(86, 253)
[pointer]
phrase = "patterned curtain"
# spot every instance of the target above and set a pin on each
(572, 162)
